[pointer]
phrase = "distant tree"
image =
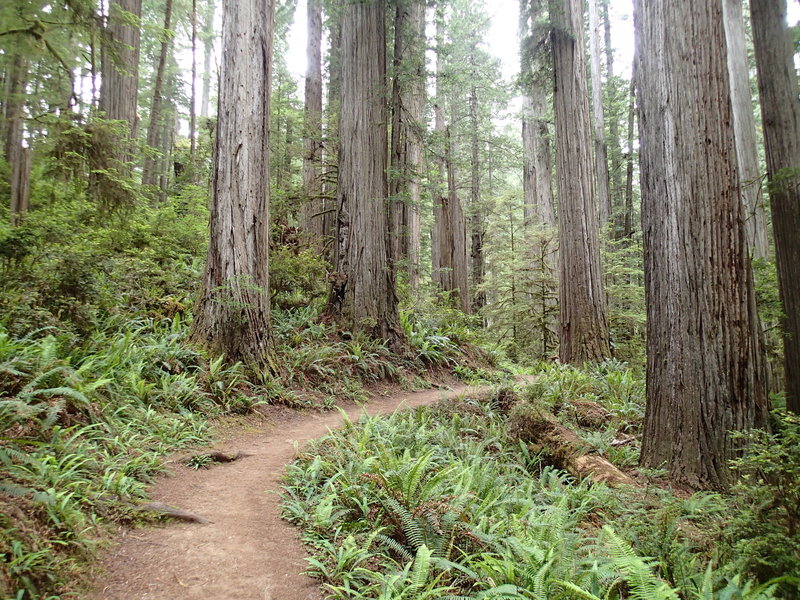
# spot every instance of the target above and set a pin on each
(598, 117)
(408, 104)
(780, 114)
(149, 170)
(705, 365)
(362, 296)
(232, 315)
(312, 212)
(584, 326)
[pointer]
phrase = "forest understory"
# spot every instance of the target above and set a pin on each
(441, 318)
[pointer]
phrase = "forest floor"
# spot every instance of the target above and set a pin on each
(246, 551)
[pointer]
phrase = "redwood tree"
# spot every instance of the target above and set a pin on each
(584, 327)
(232, 315)
(780, 113)
(362, 296)
(705, 365)
(313, 211)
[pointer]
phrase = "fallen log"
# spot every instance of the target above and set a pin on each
(173, 512)
(543, 432)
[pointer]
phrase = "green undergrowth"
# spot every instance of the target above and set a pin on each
(443, 503)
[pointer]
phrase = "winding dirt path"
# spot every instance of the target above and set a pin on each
(246, 552)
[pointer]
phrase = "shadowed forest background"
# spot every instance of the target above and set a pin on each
(189, 233)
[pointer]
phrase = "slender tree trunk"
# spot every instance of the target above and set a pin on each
(615, 153)
(362, 296)
(408, 102)
(744, 126)
(331, 143)
(14, 151)
(233, 313)
(598, 121)
(627, 230)
(449, 236)
(193, 98)
(150, 176)
(476, 210)
(584, 327)
(208, 46)
(705, 366)
(312, 214)
(780, 114)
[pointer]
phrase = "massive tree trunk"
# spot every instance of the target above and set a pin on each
(150, 176)
(362, 296)
(408, 98)
(705, 365)
(584, 327)
(449, 236)
(598, 121)
(233, 313)
(744, 126)
(780, 113)
(537, 180)
(312, 214)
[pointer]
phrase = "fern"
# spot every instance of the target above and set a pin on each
(643, 584)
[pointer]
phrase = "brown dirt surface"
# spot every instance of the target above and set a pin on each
(246, 551)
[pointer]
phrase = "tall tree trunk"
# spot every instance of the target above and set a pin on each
(537, 181)
(744, 126)
(233, 313)
(208, 46)
(362, 296)
(15, 153)
(331, 144)
(780, 113)
(119, 98)
(705, 365)
(449, 235)
(598, 120)
(312, 215)
(150, 176)
(615, 157)
(476, 210)
(193, 95)
(627, 230)
(408, 98)
(584, 327)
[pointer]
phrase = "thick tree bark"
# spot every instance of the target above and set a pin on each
(150, 176)
(313, 213)
(598, 118)
(780, 113)
(408, 101)
(537, 181)
(584, 327)
(705, 365)
(233, 313)
(744, 126)
(331, 142)
(362, 296)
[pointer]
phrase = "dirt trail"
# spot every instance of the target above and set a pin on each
(246, 552)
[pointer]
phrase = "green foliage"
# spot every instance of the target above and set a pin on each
(765, 531)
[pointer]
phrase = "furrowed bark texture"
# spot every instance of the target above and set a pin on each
(584, 327)
(313, 216)
(362, 296)
(16, 155)
(744, 125)
(705, 367)
(232, 315)
(780, 113)
(120, 64)
(537, 179)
